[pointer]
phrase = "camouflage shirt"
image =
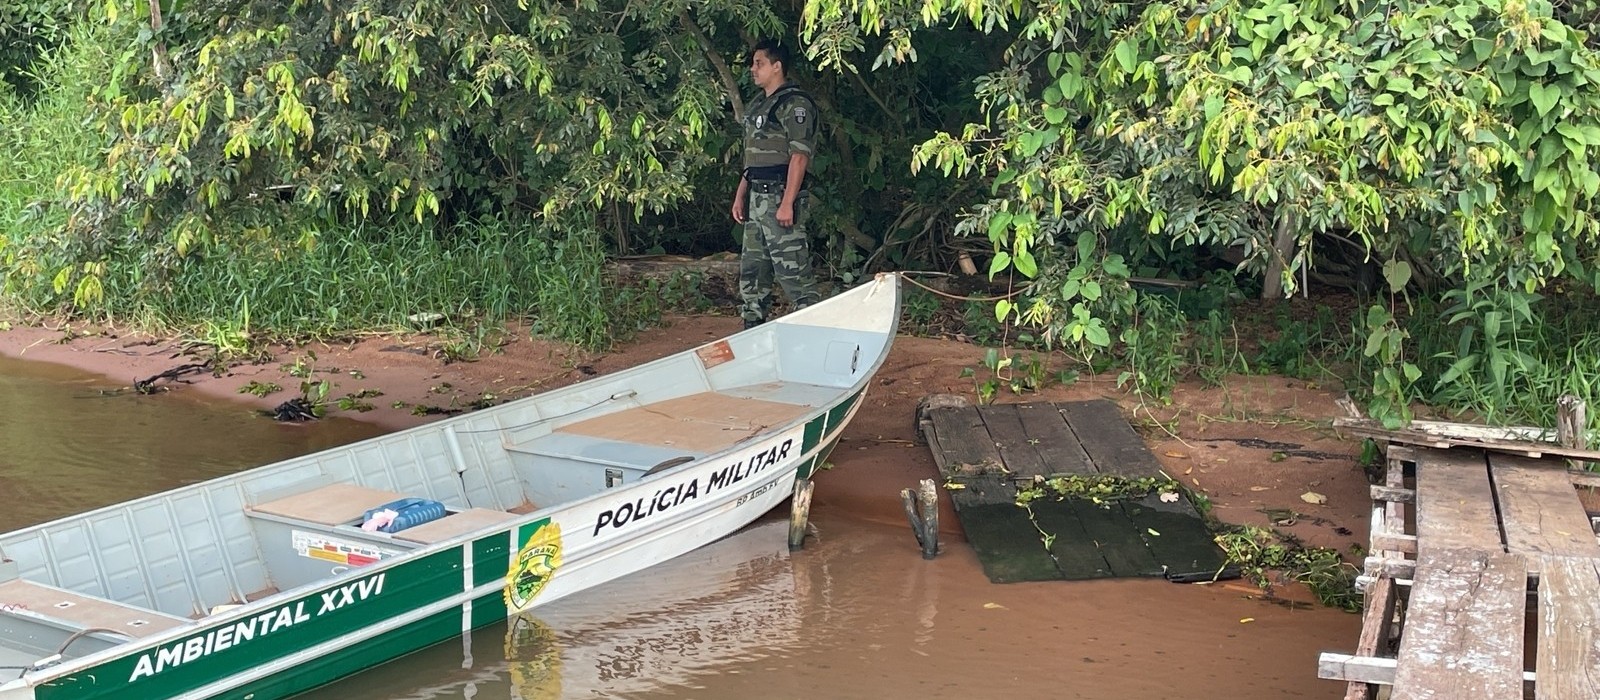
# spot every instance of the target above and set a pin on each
(777, 125)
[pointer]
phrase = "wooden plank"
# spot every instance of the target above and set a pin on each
(454, 525)
(1375, 430)
(1539, 509)
(963, 441)
(998, 533)
(28, 597)
(334, 504)
(1568, 663)
(1355, 669)
(1077, 555)
(1464, 624)
(1054, 440)
(1178, 540)
(1581, 477)
(1376, 616)
(703, 422)
(1392, 495)
(1110, 529)
(1455, 502)
(1111, 443)
(1016, 448)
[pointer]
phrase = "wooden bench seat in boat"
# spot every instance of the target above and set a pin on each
(61, 605)
(331, 505)
(704, 423)
(453, 525)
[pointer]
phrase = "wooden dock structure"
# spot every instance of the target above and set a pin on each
(1483, 579)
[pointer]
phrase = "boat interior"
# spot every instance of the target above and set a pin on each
(75, 586)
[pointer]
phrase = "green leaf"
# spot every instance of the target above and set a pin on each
(1091, 290)
(1054, 62)
(1002, 309)
(1055, 115)
(1544, 97)
(1096, 334)
(998, 224)
(1397, 273)
(1127, 55)
(1001, 261)
(1070, 289)
(1025, 263)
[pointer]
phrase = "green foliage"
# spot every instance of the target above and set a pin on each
(260, 389)
(29, 30)
(1154, 348)
(1258, 552)
(1453, 141)
(1100, 489)
(39, 139)
(256, 114)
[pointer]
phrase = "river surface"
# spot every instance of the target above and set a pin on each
(856, 614)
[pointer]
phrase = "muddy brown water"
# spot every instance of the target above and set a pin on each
(856, 614)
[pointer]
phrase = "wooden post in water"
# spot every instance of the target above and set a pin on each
(924, 525)
(930, 519)
(799, 513)
(909, 500)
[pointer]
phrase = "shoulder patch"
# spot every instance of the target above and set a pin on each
(800, 115)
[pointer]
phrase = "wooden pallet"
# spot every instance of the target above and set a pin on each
(987, 452)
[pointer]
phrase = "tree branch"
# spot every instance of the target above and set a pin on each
(729, 84)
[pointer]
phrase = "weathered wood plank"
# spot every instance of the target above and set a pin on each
(1455, 503)
(1111, 443)
(1110, 529)
(1568, 663)
(1054, 439)
(962, 444)
(1355, 669)
(1375, 430)
(1392, 495)
(1178, 540)
(1464, 624)
(997, 532)
(1017, 449)
(1077, 555)
(1539, 509)
(1377, 612)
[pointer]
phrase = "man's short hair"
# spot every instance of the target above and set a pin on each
(776, 52)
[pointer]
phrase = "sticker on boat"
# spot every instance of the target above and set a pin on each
(315, 546)
(533, 567)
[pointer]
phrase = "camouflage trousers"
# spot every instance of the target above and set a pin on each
(774, 252)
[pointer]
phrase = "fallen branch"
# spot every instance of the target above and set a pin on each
(147, 385)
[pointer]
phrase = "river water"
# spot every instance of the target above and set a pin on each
(856, 614)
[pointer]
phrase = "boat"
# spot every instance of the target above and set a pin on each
(282, 578)
(734, 598)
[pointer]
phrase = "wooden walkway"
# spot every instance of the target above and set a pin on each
(1484, 582)
(988, 451)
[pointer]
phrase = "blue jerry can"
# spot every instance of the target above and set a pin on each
(411, 513)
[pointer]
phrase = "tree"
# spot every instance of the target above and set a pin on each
(1452, 141)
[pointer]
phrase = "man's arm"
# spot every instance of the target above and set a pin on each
(797, 176)
(738, 199)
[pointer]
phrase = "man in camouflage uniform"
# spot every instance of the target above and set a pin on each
(780, 127)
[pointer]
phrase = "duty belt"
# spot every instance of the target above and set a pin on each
(767, 186)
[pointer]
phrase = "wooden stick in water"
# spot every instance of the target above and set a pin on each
(799, 513)
(909, 500)
(930, 519)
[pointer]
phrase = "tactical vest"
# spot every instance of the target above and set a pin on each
(766, 142)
